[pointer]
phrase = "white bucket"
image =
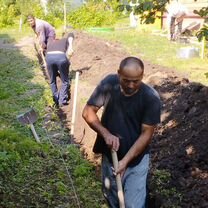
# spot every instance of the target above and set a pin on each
(188, 52)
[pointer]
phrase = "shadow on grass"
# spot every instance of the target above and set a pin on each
(19, 90)
(37, 176)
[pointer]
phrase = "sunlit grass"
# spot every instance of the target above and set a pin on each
(14, 33)
(34, 175)
(157, 49)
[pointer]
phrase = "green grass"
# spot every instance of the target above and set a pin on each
(16, 74)
(142, 43)
(160, 186)
(14, 33)
(31, 174)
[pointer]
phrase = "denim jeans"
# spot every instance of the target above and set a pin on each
(133, 181)
(55, 63)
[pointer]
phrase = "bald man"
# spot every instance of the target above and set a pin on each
(131, 112)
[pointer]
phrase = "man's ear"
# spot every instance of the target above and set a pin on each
(119, 74)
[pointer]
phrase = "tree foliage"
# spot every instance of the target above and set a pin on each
(92, 15)
(12, 9)
(203, 32)
(148, 11)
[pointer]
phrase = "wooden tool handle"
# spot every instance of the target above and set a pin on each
(43, 58)
(34, 133)
(118, 180)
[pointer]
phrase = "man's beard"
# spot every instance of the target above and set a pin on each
(129, 91)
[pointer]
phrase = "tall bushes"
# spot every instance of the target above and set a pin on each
(91, 15)
(10, 10)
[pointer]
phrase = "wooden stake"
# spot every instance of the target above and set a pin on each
(74, 103)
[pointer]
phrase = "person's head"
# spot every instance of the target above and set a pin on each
(130, 74)
(31, 20)
(67, 35)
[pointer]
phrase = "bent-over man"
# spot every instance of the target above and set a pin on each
(57, 59)
(43, 30)
(176, 13)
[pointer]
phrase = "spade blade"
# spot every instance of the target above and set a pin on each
(28, 117)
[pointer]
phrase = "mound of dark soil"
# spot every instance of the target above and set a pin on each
(180, 145)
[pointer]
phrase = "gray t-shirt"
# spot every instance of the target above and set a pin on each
(44, 30)
(124, 115)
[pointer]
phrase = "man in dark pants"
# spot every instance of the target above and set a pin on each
(57, 61)
(131, 112)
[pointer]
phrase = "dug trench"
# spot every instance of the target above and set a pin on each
(179, 158)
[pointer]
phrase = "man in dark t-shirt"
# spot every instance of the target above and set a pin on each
(131, 112)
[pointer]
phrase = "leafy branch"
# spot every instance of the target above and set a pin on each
(203, 32)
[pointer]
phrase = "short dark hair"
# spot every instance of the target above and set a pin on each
(30, 16)
(67, 35)
(130, 60)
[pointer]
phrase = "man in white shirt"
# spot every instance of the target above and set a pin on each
(176, 13)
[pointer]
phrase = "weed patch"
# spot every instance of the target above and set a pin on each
(50, 174)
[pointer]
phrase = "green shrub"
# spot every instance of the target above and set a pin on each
(55, 21)
(10, 11)
(91, 15)
(6, 16)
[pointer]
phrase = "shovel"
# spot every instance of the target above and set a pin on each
(118, 180)
(43, 58)
(29, 118)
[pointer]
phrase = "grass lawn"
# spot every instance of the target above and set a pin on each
(142, 43)
(32, 174)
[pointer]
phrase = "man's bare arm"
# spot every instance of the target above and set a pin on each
(90, 116)
(138, 148)
(41, 36)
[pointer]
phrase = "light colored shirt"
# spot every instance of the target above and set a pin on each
(176, 9)
(44, 31)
